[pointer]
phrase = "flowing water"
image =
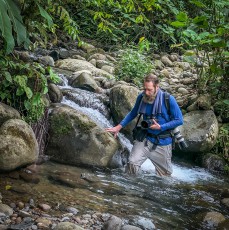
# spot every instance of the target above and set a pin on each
(175, 202)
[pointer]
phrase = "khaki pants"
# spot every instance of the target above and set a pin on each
(159, 156)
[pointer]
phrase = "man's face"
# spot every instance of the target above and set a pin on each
(150, 91)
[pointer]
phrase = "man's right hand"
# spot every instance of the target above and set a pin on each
(114, 130)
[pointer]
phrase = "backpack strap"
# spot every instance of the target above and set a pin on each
(167, 103)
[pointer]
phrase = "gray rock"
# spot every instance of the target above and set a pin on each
(213, 219)
(46, 60)
(7, 112)
(122, 100)
(113, 223)
(18, 145)
(81, 140)
(200, 130)
(67, 226)
(143, 223)
(55, 93)
(79, 65)
(166, 61)
(130, 227)
(8, 211)
(84, 81)
(225, 202)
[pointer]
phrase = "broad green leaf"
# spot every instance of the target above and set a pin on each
(182, 17)
(198, 3)
(8, 76)
(44, 14)
(27, 105)
(45, 90)
(19, 28)
(226, 102)
(178, 24)
(20, 91)
(203, 35)
(189, 53)
(28, 92)
(36, 99)
(6, 27)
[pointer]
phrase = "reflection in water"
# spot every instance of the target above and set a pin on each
(171, 202)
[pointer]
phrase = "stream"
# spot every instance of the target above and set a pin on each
(175, 202)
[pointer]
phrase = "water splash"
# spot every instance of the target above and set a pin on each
(180, 173)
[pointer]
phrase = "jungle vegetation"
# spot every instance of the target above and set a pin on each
(198, 29)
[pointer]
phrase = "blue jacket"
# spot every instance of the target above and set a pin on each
(167, 121)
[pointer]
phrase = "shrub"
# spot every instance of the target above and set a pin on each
(132, 66)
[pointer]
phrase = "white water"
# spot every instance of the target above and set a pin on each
(180, 173)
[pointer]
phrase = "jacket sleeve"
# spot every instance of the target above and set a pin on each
(133, 113)
(175, 116)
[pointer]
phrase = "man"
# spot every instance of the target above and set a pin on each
(157, 146)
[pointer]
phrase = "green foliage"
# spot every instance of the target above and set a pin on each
(222, 145)
(23, 86)
(11, 20)
(207, 35)
(133, 65)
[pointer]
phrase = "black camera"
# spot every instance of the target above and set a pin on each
(180, 139)
(145, 124)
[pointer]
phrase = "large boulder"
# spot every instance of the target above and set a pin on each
(76, 140)
(122, 100)
(78, 65)
(7, 112)
(200, 130)
(18, 145)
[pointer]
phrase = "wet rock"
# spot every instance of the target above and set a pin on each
(113, 223)
(81, 139)
(55, 93)
(225, 193)
(84, 81)
(43, 222)
(67, 226)
(143, 223)
(46, 60)
(225, 202)
(130, 227)
(224, 225)
(122, 100)
(44, 207)
(3, 227)
(72, 210)
(213, 219)
(213, 162)
(29, 177)
(8, 211)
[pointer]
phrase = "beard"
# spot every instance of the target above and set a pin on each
(149, 99)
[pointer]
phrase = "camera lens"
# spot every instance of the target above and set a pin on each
(146, 124)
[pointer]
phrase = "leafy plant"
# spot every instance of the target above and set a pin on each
(207, 34)
(132, 66)
(24, 86)
(11, 20)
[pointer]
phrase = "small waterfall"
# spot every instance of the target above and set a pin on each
(91, 104)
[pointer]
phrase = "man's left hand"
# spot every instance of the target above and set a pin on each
(155, 125)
